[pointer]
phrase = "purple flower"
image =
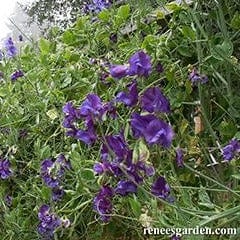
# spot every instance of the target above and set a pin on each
(92, 106)
(49, 222)
(10, 47)
(5, 171)
(160, 188)
(140, 64)
(63, 163)
(230, 150)
(87, 136)
(125, 187)
(110, 109)
(115, 144)
(57, 194)
(102, 203)
(48, 175)
(195, 77)
(154, 130)
(17, 74)
(179, 157)
(90, 110)
(131, 98)
(53, 171)
(153, 100)
(147, 169)
(96, 6)
(118, 71)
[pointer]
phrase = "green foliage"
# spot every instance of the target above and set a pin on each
(58, 69)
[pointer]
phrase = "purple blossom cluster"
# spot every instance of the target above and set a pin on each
(116, 158)
(11, 49)
(49, 222)
(96, 6)
(231, 150)
(5, 170)
(89, 113)
(195, 77)
(139, 64)
(52, 173)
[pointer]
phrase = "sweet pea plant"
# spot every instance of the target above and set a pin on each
(105, 131)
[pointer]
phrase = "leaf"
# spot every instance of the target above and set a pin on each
(237, 135)
(237, 176)
(68, 37)
(235, 22)
(87, 174)
(122, 15)
(136, 206)
(44, 46)
(222, 51)
(149, 43)
(184, 51)
(173, 6)
(123, 12)
(204, 199)
(104, 15)
(188, 32)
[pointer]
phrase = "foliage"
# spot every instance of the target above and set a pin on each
(68, 66)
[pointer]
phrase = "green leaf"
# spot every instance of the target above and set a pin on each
(136, 206)
(204, 199)
(173, 6)
(237, 176)
(222, 51)
(237, 135)
(235, 22)
(87, 174)
(68, 37)
(44, 46)
(188, 32)
(149, 43)
(123, 12)
(184, 51)
(104, 15)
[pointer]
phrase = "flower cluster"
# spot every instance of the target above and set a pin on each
(10, 48)
(139, 64)
(5, 170)
(90, 112)
(160, 188)
(96, 6)
(154, 130)
(52, 173)
(102, 203)
(231, 150)
(116, 159)
(49, 222)
(195, 77)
